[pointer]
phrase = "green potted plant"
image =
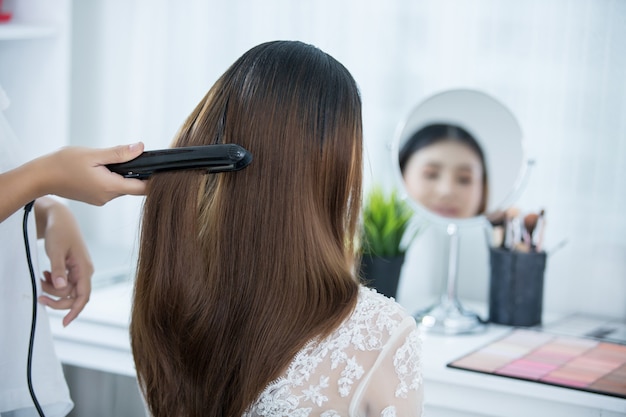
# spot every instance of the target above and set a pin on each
(385, 238)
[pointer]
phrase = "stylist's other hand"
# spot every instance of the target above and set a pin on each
(69, 278)
(80, 173)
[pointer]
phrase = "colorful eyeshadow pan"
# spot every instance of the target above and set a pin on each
(566, 361)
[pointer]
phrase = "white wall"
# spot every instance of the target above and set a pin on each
(140, 66)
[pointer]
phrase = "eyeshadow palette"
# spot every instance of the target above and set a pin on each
(567, 361)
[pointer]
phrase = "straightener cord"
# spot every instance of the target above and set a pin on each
(29, 364)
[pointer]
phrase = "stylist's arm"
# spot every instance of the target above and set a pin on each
(72, 172)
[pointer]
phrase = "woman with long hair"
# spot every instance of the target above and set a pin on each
(247, 299)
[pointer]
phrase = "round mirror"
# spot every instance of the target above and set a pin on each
(459, 156)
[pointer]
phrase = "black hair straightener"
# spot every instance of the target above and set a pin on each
(212, 158)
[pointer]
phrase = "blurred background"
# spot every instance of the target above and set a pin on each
(100, 73)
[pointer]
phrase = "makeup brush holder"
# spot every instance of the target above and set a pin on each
(516, 287)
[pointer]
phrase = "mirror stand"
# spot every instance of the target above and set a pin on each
(448, 316)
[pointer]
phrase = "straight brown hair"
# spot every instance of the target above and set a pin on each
(238, 271)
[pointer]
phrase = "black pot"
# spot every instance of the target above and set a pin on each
(382, 273)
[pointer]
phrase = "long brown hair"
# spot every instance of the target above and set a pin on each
(237, 271)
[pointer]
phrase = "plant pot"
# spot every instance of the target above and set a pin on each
(382, 273)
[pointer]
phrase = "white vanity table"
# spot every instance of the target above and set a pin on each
(98, 340)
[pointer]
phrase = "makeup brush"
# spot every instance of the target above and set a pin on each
(511, 225)
(496, 218)
(530, 224)
(539, 230)
(498, 223)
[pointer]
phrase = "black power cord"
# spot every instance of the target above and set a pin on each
(29, 364)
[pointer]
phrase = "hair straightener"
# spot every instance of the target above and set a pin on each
(212, 158)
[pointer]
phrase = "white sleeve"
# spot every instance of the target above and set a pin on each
(393, 387)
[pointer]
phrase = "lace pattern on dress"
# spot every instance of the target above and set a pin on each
(389, 412)
(301, 390)
(407, 364)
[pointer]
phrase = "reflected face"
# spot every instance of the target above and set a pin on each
(446, 178)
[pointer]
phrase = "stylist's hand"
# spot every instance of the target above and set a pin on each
(80, 173)
(69, 278)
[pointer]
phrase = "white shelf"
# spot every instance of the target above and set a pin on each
(21, 31)
(38, 36)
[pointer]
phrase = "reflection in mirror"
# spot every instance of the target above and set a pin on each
(459, 156)
(443, 169)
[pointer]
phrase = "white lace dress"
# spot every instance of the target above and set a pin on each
(369, 366)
